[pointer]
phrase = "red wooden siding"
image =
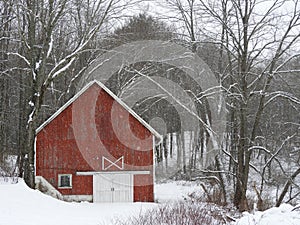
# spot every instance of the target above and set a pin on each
(70, 144)
(143, 193)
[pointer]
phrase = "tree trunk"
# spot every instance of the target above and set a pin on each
(29, 166)
(179, 151)
(165, 148)
(183, 153)
(222, 184)
(286, 187)
(171, 145)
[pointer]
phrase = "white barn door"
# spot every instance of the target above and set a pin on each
(113, 187)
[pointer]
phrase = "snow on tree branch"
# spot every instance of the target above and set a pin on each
(282, 94)
(21, 57)
(207, 126)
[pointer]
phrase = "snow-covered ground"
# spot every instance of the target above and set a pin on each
(170, 191)
(283, 215)
(20, 205)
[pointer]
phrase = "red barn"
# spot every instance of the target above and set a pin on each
(96, 148)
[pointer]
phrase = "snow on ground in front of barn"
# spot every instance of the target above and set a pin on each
(20, 205)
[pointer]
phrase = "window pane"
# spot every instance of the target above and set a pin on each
(65, 181)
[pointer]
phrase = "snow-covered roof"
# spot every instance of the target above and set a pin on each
(116, 98)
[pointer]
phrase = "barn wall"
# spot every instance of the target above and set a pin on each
(141, 192)
(86, 130)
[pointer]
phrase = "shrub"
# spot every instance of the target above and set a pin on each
(182, 213)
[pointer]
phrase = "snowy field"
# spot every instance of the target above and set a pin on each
(283, 215)
(20, 205)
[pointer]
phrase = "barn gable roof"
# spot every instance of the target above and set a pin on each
(116, 98)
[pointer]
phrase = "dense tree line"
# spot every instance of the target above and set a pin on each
(45, 47)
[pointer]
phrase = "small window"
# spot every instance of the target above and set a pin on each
(65, 180)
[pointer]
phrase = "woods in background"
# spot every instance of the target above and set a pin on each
(45, 47)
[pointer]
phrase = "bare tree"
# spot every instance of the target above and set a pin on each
(6, 17)
(38, 25)
(255, 41)
(250, 36)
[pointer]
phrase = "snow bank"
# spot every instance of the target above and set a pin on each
(285, 214)
(44, 186)
(20, 205)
